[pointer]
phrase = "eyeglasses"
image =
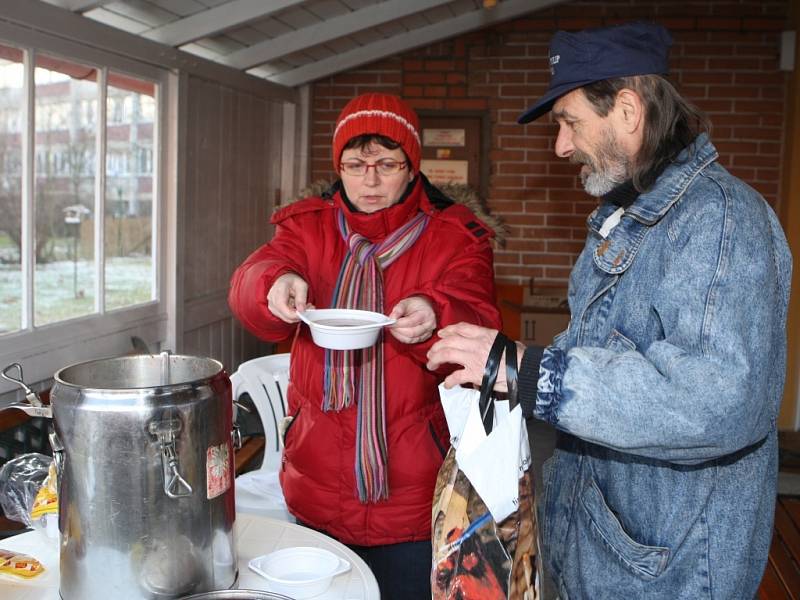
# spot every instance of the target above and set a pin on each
(382, 167)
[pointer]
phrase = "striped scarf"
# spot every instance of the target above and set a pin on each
(350, 377)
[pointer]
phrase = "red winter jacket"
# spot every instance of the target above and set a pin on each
(451, 264)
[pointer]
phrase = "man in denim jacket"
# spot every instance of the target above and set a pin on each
(666, 385)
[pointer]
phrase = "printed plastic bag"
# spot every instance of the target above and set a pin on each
(484, 530)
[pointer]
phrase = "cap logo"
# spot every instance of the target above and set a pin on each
(553, 62)
(378, 113)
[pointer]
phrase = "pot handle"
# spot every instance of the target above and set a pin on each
(58, 453)
(175, 486)
(32, 405)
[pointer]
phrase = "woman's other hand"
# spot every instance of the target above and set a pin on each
(287, 296)
(416, 320)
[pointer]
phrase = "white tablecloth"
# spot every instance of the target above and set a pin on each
(255, 535)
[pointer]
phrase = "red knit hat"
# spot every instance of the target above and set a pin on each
(382, 114)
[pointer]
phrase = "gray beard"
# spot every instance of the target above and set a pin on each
(599, 183)
(609, 168)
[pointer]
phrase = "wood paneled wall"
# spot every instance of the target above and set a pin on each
(233, 166)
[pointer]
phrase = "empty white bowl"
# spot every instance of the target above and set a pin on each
(344, 328)
(300, 572)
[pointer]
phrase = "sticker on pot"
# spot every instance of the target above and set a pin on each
(218, 470)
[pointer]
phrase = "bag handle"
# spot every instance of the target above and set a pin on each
(512, 371)
(500, 345)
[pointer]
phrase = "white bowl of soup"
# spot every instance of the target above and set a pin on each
(344, 328)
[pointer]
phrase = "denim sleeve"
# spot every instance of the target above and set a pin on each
(709, 382)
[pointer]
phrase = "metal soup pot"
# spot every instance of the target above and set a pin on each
(143, 446)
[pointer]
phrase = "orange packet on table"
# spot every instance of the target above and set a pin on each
(46, 501)
(21, 565)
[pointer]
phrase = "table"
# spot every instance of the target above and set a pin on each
(255, 535)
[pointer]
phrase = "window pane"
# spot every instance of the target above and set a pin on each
(131, 110)
(12, 115)
(64, 190)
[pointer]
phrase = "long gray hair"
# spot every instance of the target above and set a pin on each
(671, 122)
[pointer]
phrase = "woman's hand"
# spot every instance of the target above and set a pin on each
(416, 320)
(467, 345)
(287, 296)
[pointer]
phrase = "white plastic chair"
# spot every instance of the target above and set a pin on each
(266, 380)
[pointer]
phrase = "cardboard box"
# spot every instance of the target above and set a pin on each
(543, 314)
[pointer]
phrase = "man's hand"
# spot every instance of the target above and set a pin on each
(467, 345)
(287, 296)
(416, 320)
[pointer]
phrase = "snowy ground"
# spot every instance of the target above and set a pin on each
(60, 295)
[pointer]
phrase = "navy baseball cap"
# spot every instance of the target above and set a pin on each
(578, 59)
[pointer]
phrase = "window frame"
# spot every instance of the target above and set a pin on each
(43, 350)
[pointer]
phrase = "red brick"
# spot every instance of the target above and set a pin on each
(737, 91)
(556, 273)
(519, 64)
(425, 78)
(426, 103)
(766, 24)
(521, 168)
(498, 155)
(439, 65)
(742, 63)
(546, 259)
(566, 221)
(505, 207)
(752, 160)
(465, 104)
(525, 245)
(500, 181)
(547, 25)
(518, 271)
(678, 24)
(453, 78)
(356, 78)
(736, 147)
(412, 90)
(719, 23)
(569, 247)
(516, 104)
(757, 107)
(775, 120)
(707, 77)
(526, 219)
(435, 91)
(572, 24)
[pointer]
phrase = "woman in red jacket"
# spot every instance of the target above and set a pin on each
(368, 435)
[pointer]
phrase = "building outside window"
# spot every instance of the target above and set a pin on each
(78, 192)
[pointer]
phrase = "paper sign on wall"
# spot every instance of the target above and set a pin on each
(445, 171)
(444, 137)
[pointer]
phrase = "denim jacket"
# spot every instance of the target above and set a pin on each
(665, 390)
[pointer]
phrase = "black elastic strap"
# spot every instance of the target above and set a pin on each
(511, 373)
(486, 402)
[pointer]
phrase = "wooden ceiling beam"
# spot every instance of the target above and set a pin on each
(216, 20)
(331, 29)
(79, 6)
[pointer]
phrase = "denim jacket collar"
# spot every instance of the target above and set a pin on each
(616, 253)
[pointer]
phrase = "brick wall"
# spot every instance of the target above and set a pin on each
(725, 59)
